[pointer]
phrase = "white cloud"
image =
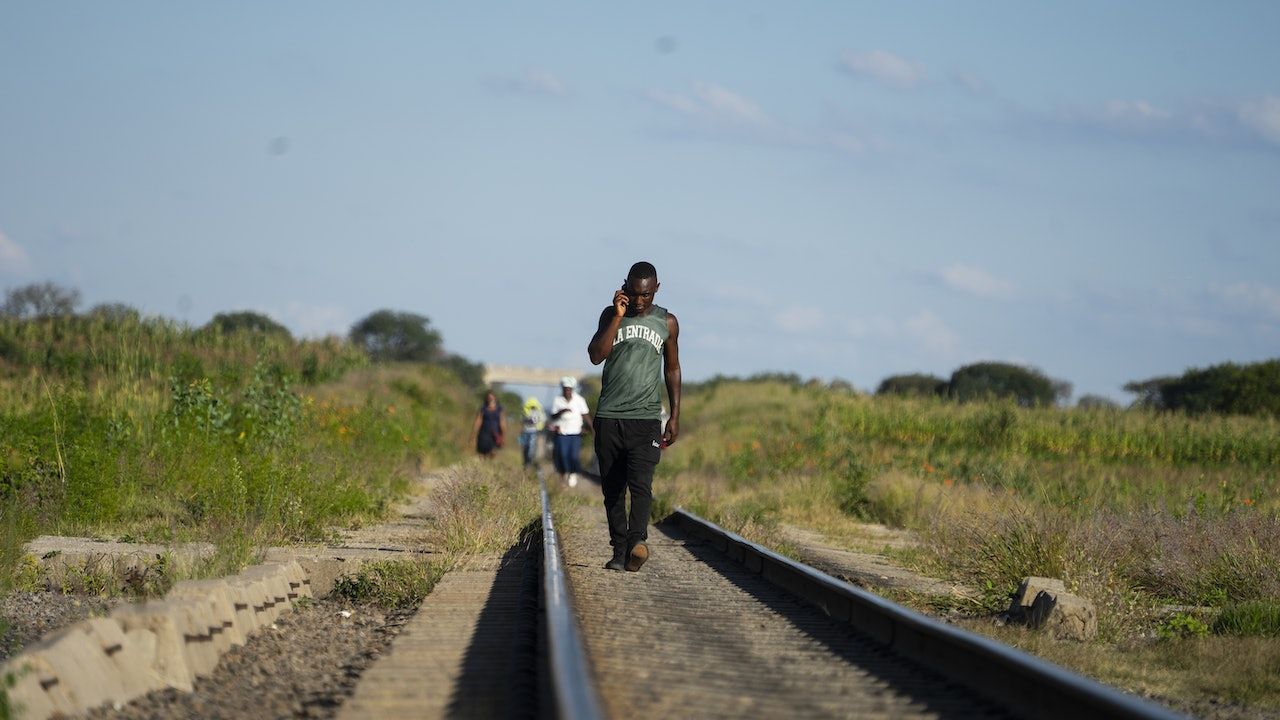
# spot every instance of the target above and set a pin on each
(970, 82)
(976, 281)
(711, 110)
(800, 319)
(1239, 122)
(1134, 110)
(13, 259)
(1252, 296)
(532, 82)
(884, 67)
(1263, 117)
(713, 103)
(930, 331)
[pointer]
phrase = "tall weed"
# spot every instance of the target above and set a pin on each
(148, 430)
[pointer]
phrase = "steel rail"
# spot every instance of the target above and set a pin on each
(571, 679)
(1025, 684)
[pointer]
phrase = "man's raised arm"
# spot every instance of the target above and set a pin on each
(602, 341)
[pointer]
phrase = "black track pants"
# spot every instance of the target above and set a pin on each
(628, 451)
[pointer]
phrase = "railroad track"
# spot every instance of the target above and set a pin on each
(713, 626)
(716, 626)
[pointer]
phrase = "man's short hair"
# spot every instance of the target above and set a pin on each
(642, 271)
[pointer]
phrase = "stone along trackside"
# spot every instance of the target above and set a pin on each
(694, 635)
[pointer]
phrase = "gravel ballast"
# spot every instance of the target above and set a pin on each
(304, 667)
(29, 616)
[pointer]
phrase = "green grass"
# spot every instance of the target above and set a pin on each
(391, 584)
(1257, 618)
(1132, 509)
(151, 431)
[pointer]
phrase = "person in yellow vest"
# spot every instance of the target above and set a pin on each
(531, 429)
(638, 343)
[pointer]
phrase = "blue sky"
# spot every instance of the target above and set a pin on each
(835, 189)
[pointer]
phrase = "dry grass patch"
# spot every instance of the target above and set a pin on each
(482, 507)
(1215, 670)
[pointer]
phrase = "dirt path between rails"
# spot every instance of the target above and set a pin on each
(864, 566)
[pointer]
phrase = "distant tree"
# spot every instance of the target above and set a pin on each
(777, 376)
(1148, 392)
(1252, 389)
(1095, 402)
(114, 313)
(1027, 386)
(40, 300)
(913, 384)
(589, 389)
(387, 335)
(246, 321)
(511, 402)
(470, 373)
(841, 385)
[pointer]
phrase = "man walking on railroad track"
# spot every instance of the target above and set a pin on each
(637, 342)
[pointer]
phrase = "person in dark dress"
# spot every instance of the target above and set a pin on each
(490, 427)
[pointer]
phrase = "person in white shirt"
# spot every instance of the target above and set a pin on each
(570, 414)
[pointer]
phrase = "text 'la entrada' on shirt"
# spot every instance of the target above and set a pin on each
(632, 382)
(648, 334)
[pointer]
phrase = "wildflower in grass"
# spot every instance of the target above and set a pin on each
(928, 468)
(342, 430)
(948, 482)
(391, 409)
(1248, 501)
(755, 444)
(406, 438)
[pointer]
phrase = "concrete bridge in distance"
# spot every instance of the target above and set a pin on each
(518, 375)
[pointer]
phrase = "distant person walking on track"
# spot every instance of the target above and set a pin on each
(637, 342)
(531, 427)
(490, 426)
(570, 414)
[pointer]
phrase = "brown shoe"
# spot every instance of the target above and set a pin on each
(637, 556)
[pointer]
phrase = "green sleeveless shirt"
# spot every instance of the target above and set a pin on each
(633, 380)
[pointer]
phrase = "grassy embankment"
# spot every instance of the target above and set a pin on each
(1134, 510)
(152, 431)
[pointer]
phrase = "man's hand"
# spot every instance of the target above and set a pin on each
(673, 430)
(620, 302)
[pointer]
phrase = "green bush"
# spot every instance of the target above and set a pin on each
(1260, 618)
(849, 478)
(1182, 625)
(396, 584)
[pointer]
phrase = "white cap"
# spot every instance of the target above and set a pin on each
(568, 382)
